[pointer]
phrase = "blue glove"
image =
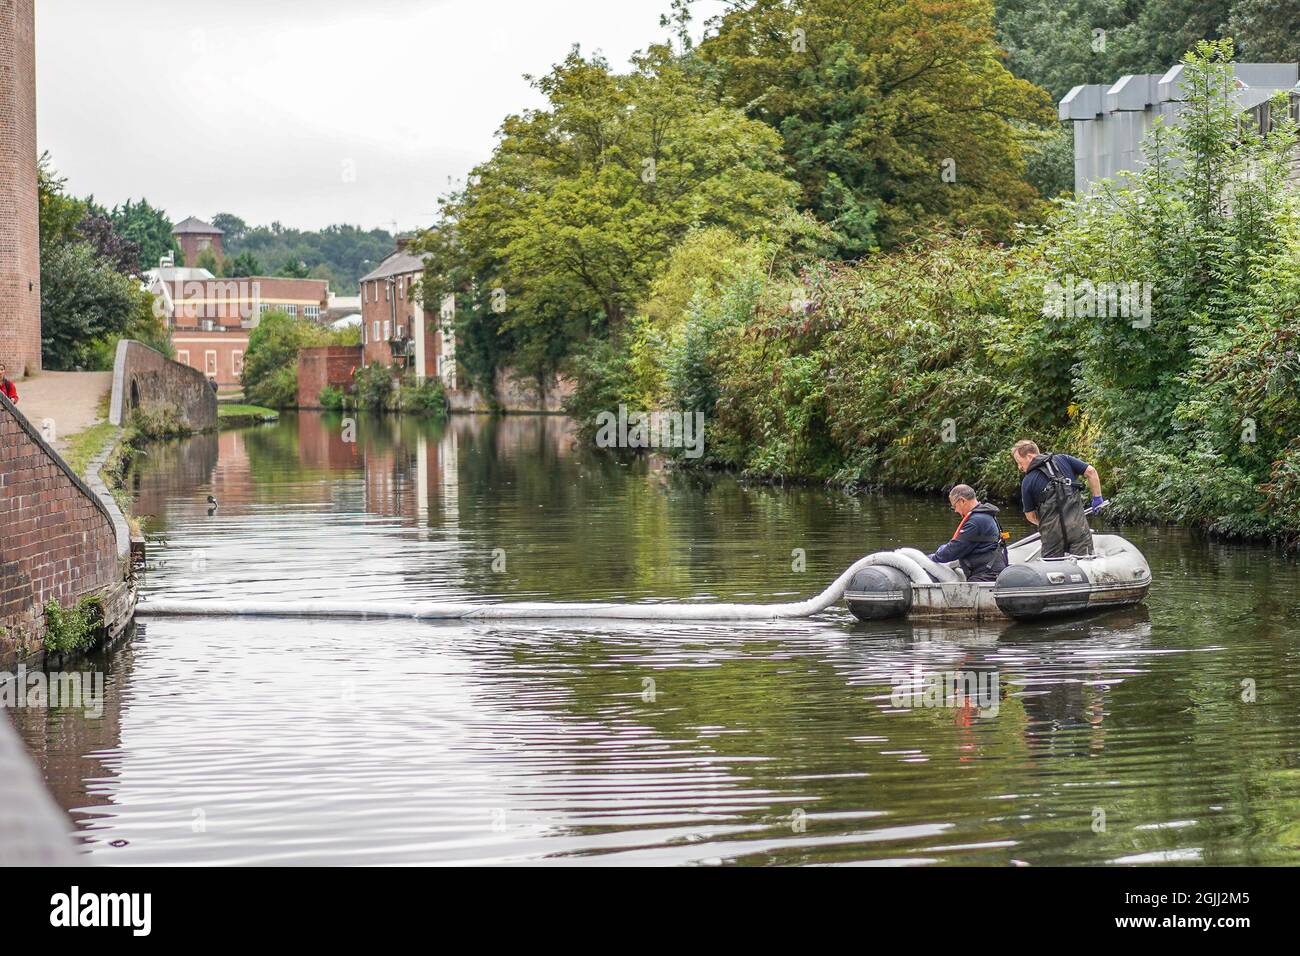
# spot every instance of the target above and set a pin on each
(1097, 502)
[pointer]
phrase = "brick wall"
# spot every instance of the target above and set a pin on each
(56, 539)
(237, 303)
(218, 355)
(20, 265)
(192, 246)
(142, 376)
(326, 365)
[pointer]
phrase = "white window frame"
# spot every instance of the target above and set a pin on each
(210, 362)
(388, 328)
(375, 337)
(183, 356)
(236, 362)
(292, 310)
(311, 311)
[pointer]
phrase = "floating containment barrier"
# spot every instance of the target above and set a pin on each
(886, 584)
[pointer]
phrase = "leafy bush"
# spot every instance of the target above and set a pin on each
(919, 368)
(332, 398)
(374, 387)
(72, 629)
(155, 421)
(904, 370)
(604, 378)
(279, 389)
(427, 399)
(1197, 408)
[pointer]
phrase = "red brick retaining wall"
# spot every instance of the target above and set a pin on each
(56, 538)
(325, 365)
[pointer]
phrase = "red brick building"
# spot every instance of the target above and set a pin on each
(196, 237)
(210, 319)
(20, 253)
(397, 328)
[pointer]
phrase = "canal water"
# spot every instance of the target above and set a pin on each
(1169, 734)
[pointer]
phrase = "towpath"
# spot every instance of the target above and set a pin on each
(71, 400)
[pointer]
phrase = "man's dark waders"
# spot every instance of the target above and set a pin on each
(1061, 522)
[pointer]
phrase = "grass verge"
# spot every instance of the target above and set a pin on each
(233, 416)
(85, 445)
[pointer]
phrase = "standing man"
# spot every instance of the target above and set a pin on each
(7, 387)
(977, 544)
(1050, 498)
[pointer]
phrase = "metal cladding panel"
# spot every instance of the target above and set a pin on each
(1278, 76)
(1082, 102)
(1137, 91)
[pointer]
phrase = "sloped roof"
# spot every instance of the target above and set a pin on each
(198, 227)
(398, 263)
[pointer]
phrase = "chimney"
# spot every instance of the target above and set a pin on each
(404, 240)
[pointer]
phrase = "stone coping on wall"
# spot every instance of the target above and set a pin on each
(117, 399)
(99, 487)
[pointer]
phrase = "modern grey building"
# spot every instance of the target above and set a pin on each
(1110, 122)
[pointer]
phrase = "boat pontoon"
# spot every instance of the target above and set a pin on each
(906, 582)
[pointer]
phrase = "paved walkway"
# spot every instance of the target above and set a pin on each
(71, 400)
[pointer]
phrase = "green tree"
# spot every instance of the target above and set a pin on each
(1266, 30)
(1211, 225)
(270, 375)
(85, 304)
(208, 260)
(232, 226)
(1049, 164)
(894, 114)
(243, 265)
(1060, 44)
(60, 214)
(340, 253)
(149, 228)
(562, 230)
(89, 294)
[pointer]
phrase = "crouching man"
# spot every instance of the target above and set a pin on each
(978, 544)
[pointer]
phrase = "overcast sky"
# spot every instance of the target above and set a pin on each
(309, 112)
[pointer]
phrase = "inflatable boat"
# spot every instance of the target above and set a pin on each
(907, 583)
(886, 584)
